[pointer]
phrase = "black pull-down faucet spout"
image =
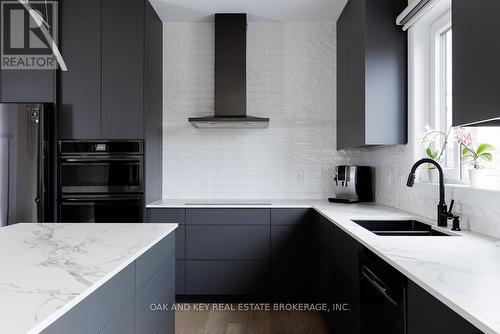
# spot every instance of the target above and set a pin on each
(442, 218)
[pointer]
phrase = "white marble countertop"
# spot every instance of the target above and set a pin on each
(462, 271)
(46, 269)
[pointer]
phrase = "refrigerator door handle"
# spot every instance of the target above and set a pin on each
(39, 123)
(4, 220)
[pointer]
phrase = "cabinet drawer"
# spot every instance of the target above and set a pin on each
(153, 259)
(289, 216)
(100, 306)
(176, 216)
(228, 216)
(290, 242)
(227, 277)
(158, 290)
(123, 322)
(227, 242)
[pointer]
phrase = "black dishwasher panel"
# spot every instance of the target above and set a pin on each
(383, 296)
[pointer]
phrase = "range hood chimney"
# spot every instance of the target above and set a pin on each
(230, 77)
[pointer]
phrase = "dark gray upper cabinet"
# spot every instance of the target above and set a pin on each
(80, 86)
(372, 75)
(114, 66)
(28, 86)
(476, 69)
(122, 69)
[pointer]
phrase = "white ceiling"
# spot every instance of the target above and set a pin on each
(257, 10)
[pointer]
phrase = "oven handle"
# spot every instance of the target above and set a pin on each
(101, 199)
(87, 160)
(372, 279)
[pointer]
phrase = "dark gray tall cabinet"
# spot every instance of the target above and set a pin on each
(113, 86)
(105, 44)
(122, 100)
(80, 87)
(371, 75)
(476, 66)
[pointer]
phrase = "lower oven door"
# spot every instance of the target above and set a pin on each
(101, 209)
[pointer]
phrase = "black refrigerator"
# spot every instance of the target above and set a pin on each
(26, 163)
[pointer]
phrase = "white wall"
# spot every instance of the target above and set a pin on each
(290, 78)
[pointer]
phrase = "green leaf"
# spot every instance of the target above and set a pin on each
(465, 152)
(430, 154)
(486, 156)
(484, 148)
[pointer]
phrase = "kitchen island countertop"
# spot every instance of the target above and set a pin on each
(47, 269)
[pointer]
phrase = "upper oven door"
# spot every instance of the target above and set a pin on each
(101, 174)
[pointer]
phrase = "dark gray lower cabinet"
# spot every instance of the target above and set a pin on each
(175, 216)
(223, 277)
(336, 274)
(122, 305)
(291, 245)
(428, 315)
(345, 281)
(322, 259)
(123, 322)
(240, 251)
(227, 242)
(159, 290)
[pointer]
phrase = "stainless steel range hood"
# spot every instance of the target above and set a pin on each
(230, 78)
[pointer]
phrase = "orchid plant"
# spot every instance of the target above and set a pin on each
(475, 156)
(429, 138)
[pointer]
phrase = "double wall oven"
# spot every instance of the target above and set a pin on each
(101, 181)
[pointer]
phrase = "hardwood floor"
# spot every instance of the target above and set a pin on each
(249, 322)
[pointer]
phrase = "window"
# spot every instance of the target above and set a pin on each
(441, 110)
(433, 85)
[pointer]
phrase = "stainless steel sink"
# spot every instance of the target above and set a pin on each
(400, 228)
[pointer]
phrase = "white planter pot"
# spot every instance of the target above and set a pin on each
(433, 175)
(478, 178)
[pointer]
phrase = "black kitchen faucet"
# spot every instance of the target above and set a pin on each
(442, 213)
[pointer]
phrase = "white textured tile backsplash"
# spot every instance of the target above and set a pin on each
(290, 78)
